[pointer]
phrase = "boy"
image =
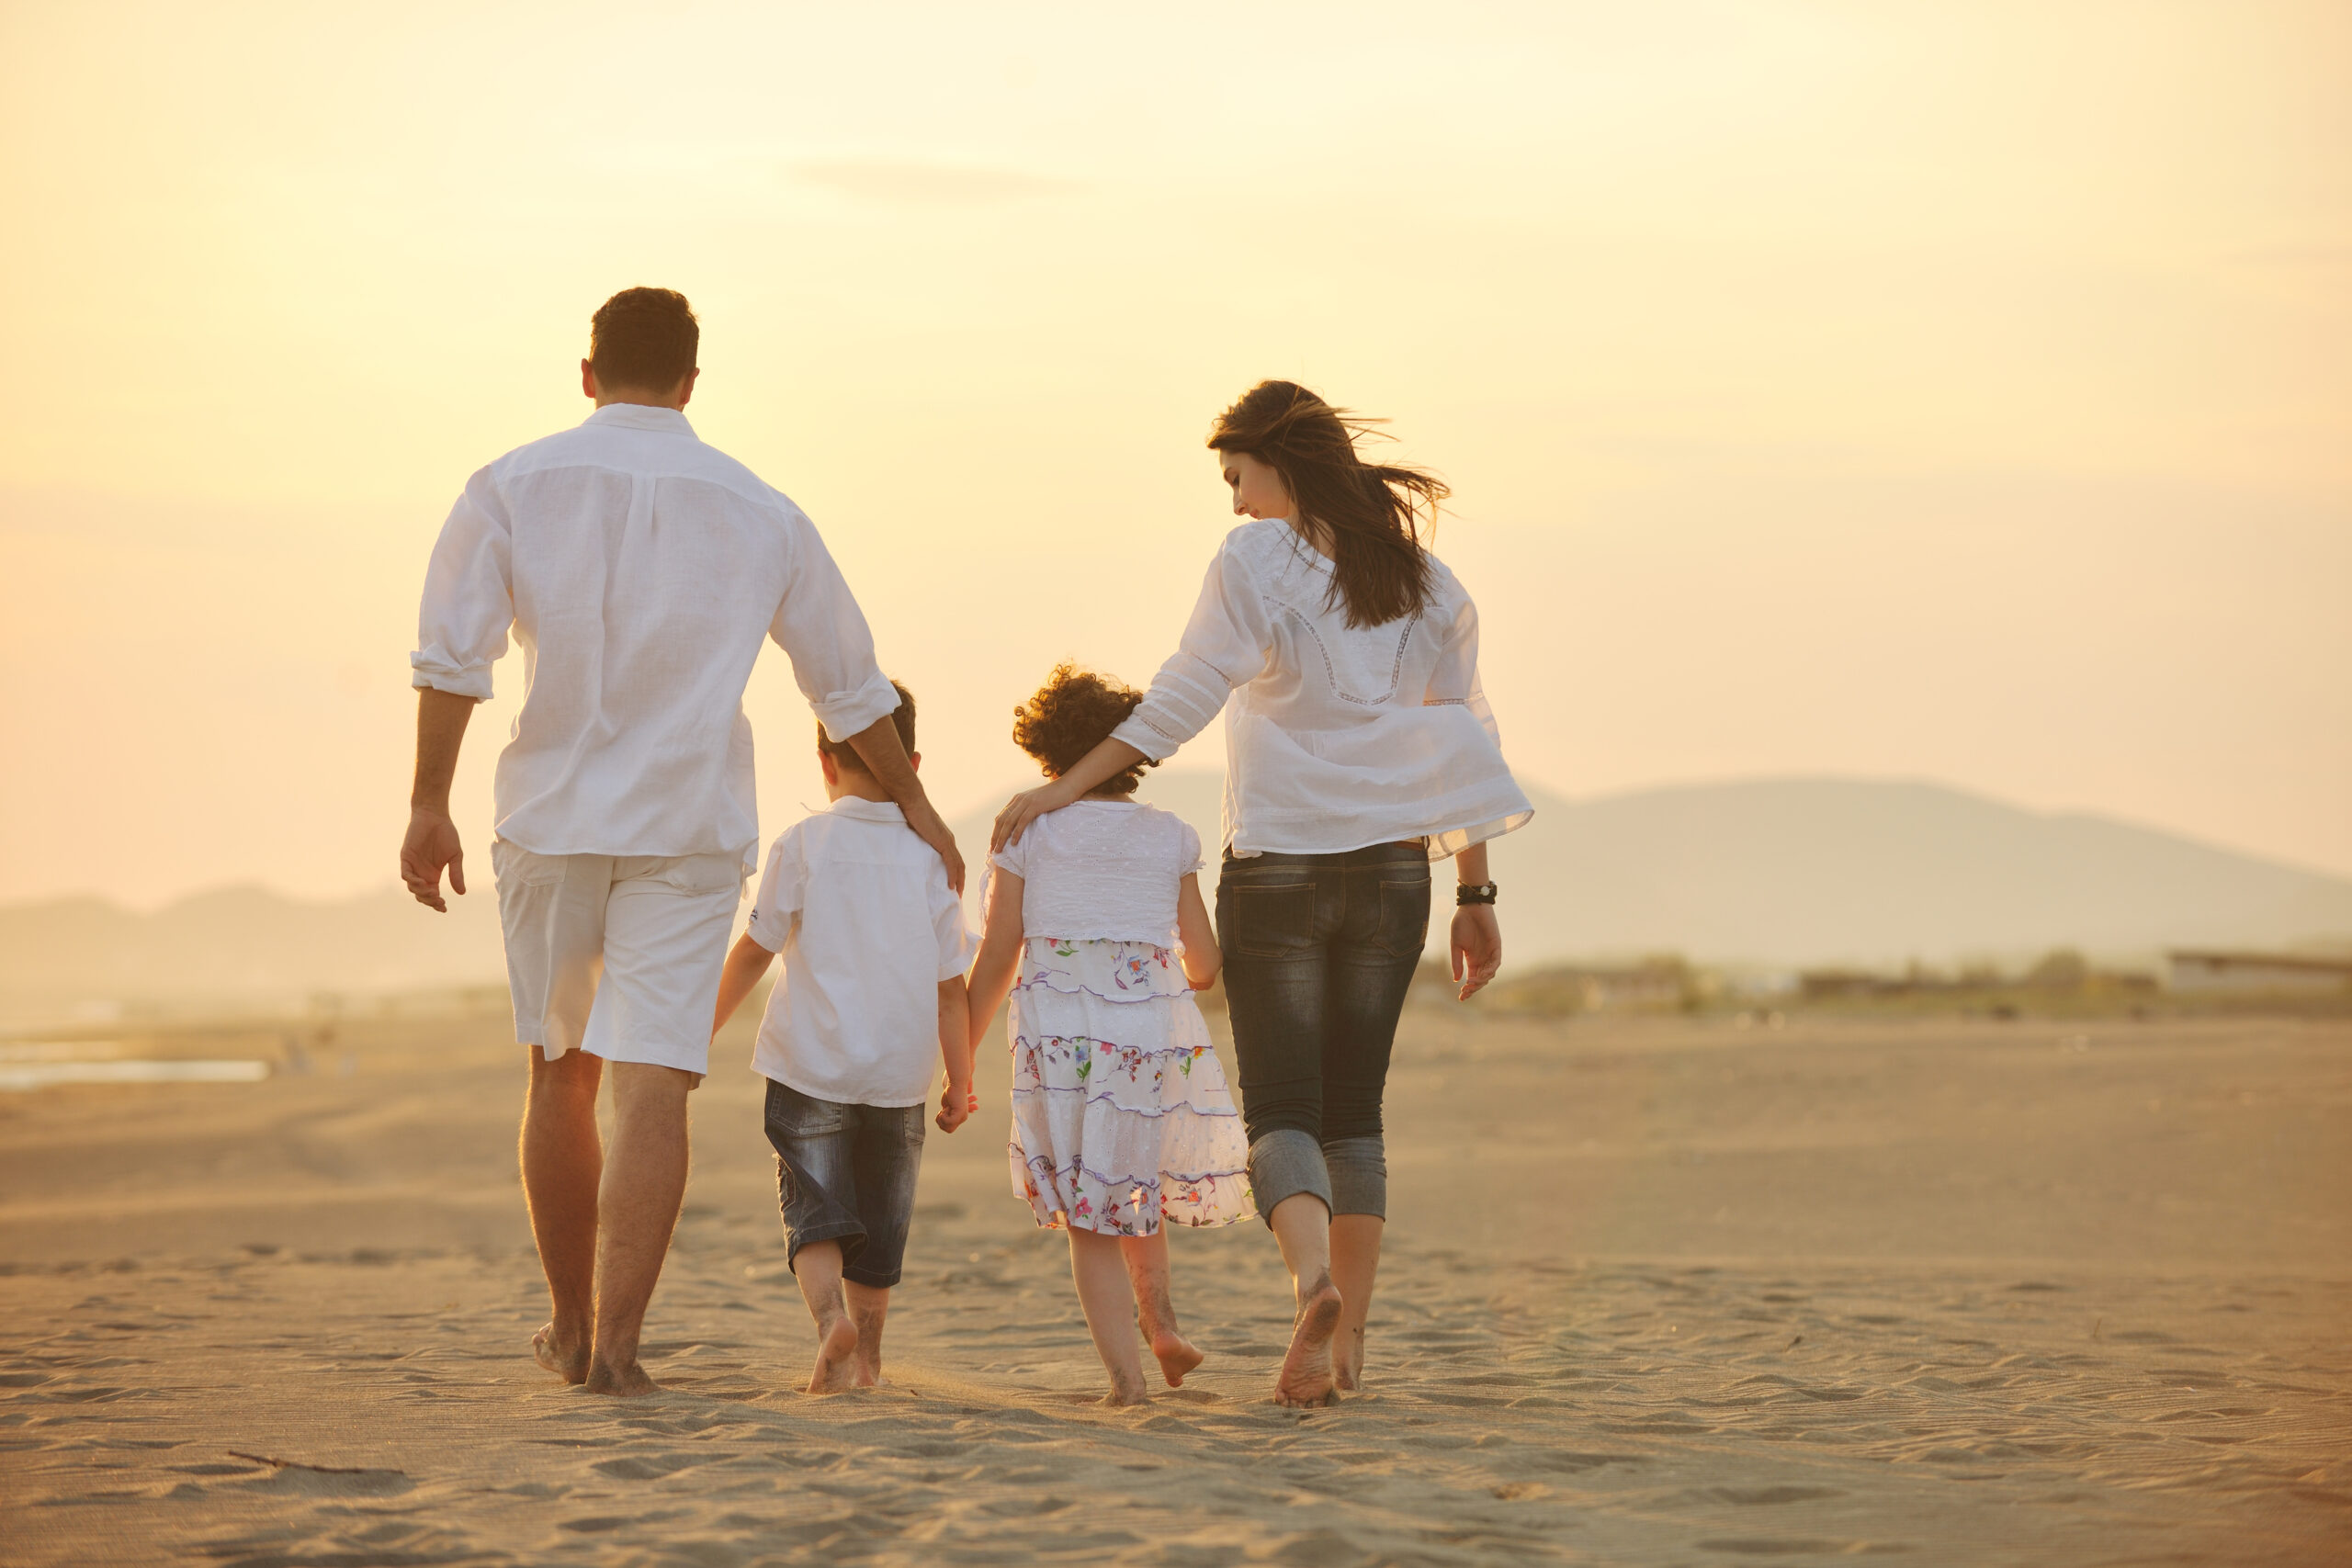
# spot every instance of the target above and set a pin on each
(874, 950)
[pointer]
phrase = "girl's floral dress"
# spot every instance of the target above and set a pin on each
(1121, 1116)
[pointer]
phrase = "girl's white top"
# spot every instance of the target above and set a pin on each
(1102, 870)
(1335, 738)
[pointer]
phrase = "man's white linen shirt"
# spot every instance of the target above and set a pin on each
(861, 909)
(639, 568)
(1336, 736)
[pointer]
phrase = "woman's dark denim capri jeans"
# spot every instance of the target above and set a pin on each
(1319, 951)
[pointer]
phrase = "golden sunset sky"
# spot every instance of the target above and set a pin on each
(1959, 391)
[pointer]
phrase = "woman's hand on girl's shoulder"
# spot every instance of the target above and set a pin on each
(1026, 807)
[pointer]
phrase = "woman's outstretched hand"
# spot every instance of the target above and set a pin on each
(1478, 947)
(1026, 807)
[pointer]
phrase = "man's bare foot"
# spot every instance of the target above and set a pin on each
(836, 1370)
(1176, 1356)
(566, 1358)
(621, 1383)
(1305, 1379)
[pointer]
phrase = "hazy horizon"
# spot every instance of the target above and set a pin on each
(1928, 392)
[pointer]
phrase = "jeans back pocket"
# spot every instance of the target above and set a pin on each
(1260, 920)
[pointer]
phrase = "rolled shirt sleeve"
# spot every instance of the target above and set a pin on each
(822, 631)
(468, 600)
(1225, 645)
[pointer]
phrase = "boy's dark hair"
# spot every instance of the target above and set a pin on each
(1073, 713)
(644, 339)
(902, 719)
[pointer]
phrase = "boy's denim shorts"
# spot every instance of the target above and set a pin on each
(846, 1173)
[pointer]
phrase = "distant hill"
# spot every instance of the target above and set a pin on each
(1774, 872)
(1811, 871)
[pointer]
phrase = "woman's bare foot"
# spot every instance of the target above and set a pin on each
(567, 1356)
(1176, 1356)
(1305, 1379)
(836, 1370)
(1126, 1392)
(621, 1383)
(1347, 1360)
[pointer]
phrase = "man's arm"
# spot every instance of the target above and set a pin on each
(432, 842)
(884, 756)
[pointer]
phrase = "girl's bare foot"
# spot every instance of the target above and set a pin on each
(1305, 1377)
(566, 1357)
(1176, 1356)
(1125, 1392)
(621, 1383)
(836, 1357)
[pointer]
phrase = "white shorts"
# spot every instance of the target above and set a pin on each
(617, 955)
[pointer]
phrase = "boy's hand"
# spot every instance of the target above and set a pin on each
(956, 1107)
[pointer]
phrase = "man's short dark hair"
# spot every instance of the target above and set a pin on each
(902, 719)
(643, 339)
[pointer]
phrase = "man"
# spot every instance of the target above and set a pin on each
(639, 570)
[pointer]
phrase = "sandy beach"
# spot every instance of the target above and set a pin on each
(1657, 1291)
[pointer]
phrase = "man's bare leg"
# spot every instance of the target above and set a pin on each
(562, 1161)
(637, 1208)
(1302, 1229)
(869, 1307)
(817, 1271)
(1147, 1258)
(1109, 1302)
(1355, 1263)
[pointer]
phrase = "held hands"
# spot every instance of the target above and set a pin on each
(1477, 948)
(1026, 807)
(432, 846)
(956, 1105)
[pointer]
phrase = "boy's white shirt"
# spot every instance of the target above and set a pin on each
(861, 911)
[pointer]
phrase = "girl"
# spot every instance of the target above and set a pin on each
(1121, 1120)
(1359, 749)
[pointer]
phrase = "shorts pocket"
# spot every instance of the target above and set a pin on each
(512, 866)
(703, 873)
(1266, 921)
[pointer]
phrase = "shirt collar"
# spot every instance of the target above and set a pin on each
(642, 416)
(867, 810)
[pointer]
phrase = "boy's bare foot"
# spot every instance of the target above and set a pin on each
(1305, 1379)
(836, 1370)
(566, 1357)
(1176, 1356)
(621, 1383)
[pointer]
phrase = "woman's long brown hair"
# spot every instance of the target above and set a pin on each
(1371, 515)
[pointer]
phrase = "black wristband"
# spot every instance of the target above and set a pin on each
(1468, 893)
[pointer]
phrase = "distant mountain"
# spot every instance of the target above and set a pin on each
(1774, 872)
(1810, 871)
(241, 942)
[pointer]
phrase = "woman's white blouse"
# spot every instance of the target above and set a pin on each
(1335, 738)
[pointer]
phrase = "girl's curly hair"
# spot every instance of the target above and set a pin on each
(1074, 713)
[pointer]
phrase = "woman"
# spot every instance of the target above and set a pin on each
(1359, 749)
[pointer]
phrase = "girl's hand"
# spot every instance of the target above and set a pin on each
(1026, 807)
(1477, 948)
(957, 1106)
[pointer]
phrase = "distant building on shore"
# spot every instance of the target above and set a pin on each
(2202, 969)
